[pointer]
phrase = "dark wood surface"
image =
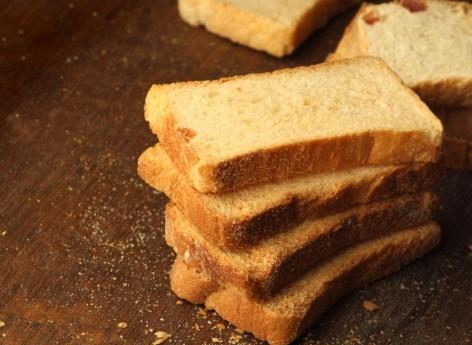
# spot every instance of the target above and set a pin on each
(81, 237)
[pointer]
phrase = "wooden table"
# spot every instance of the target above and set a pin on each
(81, 236)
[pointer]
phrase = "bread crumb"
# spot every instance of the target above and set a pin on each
(234, 339)
(197, 327)
(4, 233)
(216, 340)
(201, 312)
(179, 302)
(220, 327)
(2, 324)
(240, 331)
(370, 306)
(122, 325)
(161, 337)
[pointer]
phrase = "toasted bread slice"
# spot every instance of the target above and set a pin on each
(277, 27)
(235, 132)
(288, 314)
(427, 42)
(242, 218)
(275, 262)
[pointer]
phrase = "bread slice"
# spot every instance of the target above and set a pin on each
(277, 27)
(457, 146)
(263, 269)
(241, 131)
(288, 314)
(427, 42)
(242, 218)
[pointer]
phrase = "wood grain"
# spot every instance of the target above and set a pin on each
(81, 237)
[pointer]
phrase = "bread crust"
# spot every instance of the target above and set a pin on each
(457, 145)
(235, 233)
(257, 31)
(290, 160)
(321, 243)
(357, 268)
(457, 154)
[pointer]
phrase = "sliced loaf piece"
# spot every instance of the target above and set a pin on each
(263, 269)
(277, 27)
(288, 314)
(457, 145)
(427, 42)
(242, 218)
(246, 130)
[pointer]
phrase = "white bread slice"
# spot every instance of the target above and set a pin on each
(242, 218)
(263, 269)
(240, 131)
(277, 27)
(457, 145)
(291, 312)
(427, 42)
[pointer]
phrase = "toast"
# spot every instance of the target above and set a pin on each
(239, 219)
(457, 145)
(276, 27)
(288, 314)
(265, 268)
(427, 42)
(247, 130)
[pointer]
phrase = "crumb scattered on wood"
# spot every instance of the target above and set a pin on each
(240, 331)
(201, 312)
(122, 325)
(216, 340)
(234, 339)
(4, 233)
(370, 306)
(179, 302)
(2, 324)
(161, 337)
(220, 327)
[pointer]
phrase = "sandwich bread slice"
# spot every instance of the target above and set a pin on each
(242, 218)
(427, 42)
(288, 314)
(247, 130)
(263, 269)
(277, 27)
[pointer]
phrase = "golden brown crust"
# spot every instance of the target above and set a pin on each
(457, 145)
(364, 224)
(280, 162)
(197, 286)
(256, 31)
(343, 152)
(234, 233)
(353, 42)
(451, 92)
(457, 154)
(359, 267)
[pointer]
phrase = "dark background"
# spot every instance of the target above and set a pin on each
(81, 236)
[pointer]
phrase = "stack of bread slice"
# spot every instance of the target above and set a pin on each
(290, 189)
(429, 44)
